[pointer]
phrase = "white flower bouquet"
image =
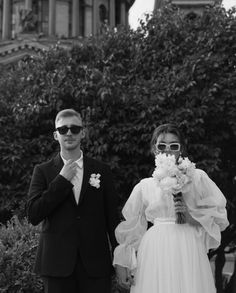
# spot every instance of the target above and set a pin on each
(173, 177)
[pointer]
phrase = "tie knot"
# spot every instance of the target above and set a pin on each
(80, 164)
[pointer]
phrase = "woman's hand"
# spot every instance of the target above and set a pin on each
(124, 277)
(181, 207)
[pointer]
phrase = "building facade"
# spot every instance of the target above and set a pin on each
(30, 26)
(60, 18)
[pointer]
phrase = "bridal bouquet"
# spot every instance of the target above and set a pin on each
(173, 177)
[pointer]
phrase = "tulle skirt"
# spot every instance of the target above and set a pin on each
(172, 259)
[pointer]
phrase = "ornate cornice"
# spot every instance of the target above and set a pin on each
(13, 51)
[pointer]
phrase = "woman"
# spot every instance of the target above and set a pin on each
(169, 257)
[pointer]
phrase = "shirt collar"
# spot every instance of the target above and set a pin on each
(79, 162)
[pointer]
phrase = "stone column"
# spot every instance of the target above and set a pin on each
(127, 17)
(1, 5)
(88, 18)
(158, 4)
(123, 13)
(52, 18)
(28, 4)
(95, 17)
(75, 18)
(6, 25)
(112, 13)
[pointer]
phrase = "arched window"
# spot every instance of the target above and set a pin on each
(103, 13)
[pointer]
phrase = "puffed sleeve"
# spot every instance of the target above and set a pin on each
(130, 231)
(207, 205)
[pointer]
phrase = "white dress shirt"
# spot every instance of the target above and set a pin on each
(77, 179)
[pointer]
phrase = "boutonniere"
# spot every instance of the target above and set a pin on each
(94, 180)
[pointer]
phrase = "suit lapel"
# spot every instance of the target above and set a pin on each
(58, 164)
(86, 176)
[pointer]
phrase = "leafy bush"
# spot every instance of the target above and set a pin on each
(18, 243)
(17, 251)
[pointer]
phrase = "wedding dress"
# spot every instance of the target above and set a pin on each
(170, 257)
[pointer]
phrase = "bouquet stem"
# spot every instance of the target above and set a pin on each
(180, 217)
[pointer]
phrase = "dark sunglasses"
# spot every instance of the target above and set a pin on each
(75, 129)
(175, 146)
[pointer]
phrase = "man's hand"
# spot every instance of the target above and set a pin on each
(124, 277)
(69, 170)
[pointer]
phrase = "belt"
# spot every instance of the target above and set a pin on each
(161, 221)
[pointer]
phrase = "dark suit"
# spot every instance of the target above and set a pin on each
(68, 228)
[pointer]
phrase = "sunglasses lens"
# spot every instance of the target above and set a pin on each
(161, 146)
(75, 129)
(174, 146)
(63, 130)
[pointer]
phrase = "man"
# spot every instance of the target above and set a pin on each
(74, 198)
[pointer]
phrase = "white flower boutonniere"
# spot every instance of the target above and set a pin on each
(94, 180)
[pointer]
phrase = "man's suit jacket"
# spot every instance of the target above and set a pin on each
(69, 228)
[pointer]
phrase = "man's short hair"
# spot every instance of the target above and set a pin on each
(67, 113)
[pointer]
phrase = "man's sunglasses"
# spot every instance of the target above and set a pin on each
(162, 147)
(75, 129)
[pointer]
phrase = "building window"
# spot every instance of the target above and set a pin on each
(103, 14)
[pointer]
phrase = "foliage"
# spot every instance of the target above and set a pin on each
(18, 243)
(173, 68)
(17, 252)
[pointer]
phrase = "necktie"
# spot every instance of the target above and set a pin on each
(80, 164)
(77, 180)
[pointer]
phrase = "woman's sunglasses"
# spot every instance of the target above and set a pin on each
(174, 147)
(74, 129)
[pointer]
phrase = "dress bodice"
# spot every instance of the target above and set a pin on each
(156, 203)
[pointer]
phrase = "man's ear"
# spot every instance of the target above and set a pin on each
(55, 135)
(83, 133)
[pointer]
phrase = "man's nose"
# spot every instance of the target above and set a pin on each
(69, 132)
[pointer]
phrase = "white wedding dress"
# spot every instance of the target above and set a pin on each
(169, 257)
